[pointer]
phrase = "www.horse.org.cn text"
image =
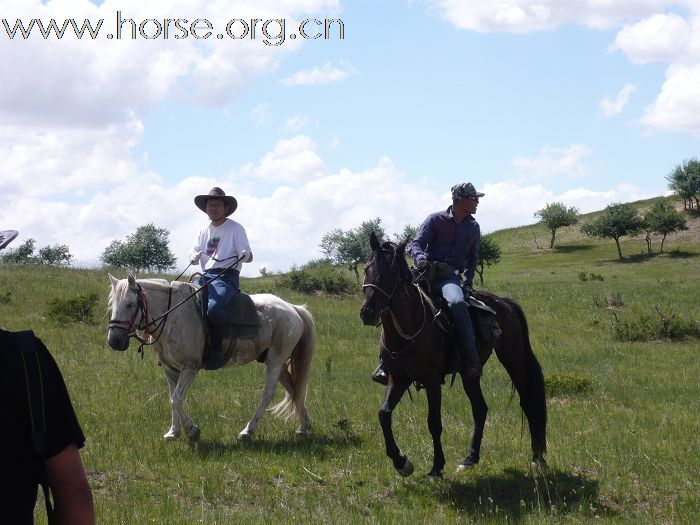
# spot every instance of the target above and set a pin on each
(270, 31)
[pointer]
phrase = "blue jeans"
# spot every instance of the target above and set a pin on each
(220, 293)
(453, 294)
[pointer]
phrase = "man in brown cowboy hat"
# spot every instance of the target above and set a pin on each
(217, 246)
(448, 243)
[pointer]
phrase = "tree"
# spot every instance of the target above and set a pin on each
(489, 253)
(351, 247)
(617, 220)
(664, 219)
(57, 255)
(407, 234)
(684, 180)
(22, 254)
(556, 215)
(147, 249)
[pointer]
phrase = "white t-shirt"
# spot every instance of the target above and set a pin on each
(225, 243)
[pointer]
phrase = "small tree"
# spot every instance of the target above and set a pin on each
(617, 220)
(351, 247)
(489, 253)
(147, 249)
(664, 219)
(407, 234)
(57, 255)
(684, 180)
(22, 254)
(556, 215)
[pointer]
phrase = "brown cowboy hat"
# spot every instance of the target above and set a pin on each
(216, 193)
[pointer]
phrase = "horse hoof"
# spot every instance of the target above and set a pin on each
(539, 464)
(407, 469)
(171, 435)
(193, 433)
(302, 432)
(466, 465)
(432, 478)
(245, 437)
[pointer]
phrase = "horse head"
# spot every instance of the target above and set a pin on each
(385, 272)
(124, 303)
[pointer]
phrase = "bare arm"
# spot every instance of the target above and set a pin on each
(69, 485)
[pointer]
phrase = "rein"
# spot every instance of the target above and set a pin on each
(142, 308)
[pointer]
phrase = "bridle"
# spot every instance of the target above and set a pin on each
(149, 327)
(391, 297)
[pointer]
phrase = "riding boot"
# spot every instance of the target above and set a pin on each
(379, 374)
(470, 363)
(213, 355)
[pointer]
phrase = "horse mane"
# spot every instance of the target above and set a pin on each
(118, 293)
(399, 252)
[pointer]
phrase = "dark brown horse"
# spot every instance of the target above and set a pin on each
(414, 348)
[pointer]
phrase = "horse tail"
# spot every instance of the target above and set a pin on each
(532, 396)
(299, 368)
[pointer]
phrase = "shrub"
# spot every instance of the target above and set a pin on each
(646, 327)
(318, 276)
(564, 385)
(79, 309)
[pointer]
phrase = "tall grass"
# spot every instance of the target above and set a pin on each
(622, 450)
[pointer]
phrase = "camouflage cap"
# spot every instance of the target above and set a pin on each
(465, 190)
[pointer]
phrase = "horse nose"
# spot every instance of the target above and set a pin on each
(368, 315)
(116, 342)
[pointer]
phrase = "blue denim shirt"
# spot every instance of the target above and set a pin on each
(441, 238)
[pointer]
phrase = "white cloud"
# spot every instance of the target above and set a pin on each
(659, 38)
(291, 161)
(677, 107)
(554, 162)
(524, 16)
(261, 113)
(611, 108)
(295, 123)
(319, 75)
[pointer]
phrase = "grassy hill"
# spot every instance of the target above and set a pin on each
(624, 449)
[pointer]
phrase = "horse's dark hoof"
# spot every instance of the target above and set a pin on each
(435, 476)
(468, 463)
(539, 464)
(407, 468)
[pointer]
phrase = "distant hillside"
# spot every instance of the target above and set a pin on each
(533, 239)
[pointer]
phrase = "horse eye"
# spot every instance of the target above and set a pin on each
(129, 305)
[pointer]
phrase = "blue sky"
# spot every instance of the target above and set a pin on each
(582, 102)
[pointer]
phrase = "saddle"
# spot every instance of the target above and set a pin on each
(244, 323)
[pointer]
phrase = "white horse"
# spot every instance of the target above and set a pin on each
(287, 333)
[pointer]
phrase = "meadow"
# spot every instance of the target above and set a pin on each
(625, 449)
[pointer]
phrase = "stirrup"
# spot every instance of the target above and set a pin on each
(379, 375)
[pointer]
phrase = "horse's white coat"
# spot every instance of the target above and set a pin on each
(287, 332)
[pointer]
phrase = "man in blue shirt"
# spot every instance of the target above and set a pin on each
(447, 243)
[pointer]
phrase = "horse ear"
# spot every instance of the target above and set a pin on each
(113, 280)
(401, 248)
(373, 241)
(132, 281)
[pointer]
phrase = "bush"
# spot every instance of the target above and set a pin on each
(318, 276)
(79, 309)
(646, 327)
(564, 385)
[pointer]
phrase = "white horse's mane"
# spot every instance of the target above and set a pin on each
(117, 294)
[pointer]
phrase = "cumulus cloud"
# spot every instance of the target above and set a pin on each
(554, 162)
(319, 75)
(677, 107)
(291, 161)
(524, 16)
(659, 38)
(611, 108)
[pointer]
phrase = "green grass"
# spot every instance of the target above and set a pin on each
(622, 450)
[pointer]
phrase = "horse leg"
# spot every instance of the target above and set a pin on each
(177, 399)
(434, 393)
(272, 375)
(285, 380)
(394, 393)
(472, 387)
(172, 376)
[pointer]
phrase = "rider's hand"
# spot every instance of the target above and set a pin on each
(422, 264)
(194, 258)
